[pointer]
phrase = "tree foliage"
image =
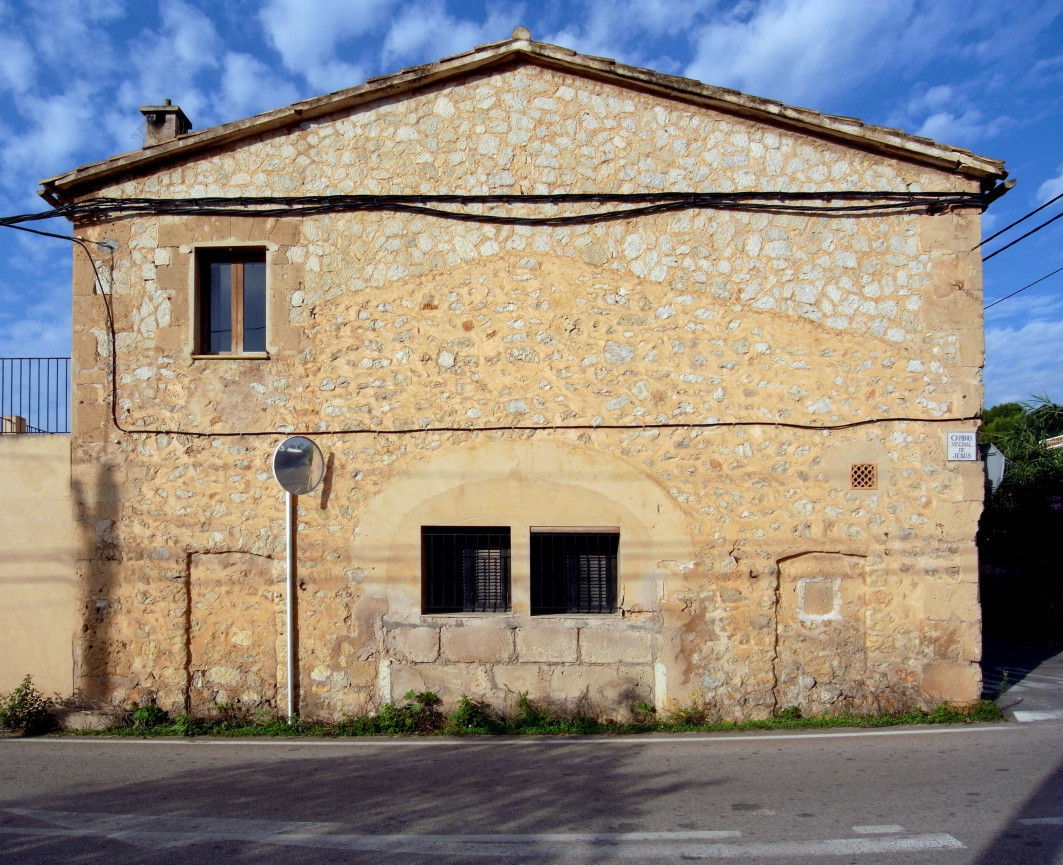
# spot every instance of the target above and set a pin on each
(997, 420)
(1031, 469)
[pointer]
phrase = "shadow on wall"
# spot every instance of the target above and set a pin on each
(1020, 559)
(96, 509)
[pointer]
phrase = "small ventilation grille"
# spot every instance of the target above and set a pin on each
(863, 476)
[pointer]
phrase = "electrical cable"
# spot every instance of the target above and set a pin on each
(1023, 237)
(859, 203)
(551, 427)
(658, 202)
(1017, 221)
(104, 244)
(1020, 290)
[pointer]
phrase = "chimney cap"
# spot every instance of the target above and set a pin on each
(164, 122)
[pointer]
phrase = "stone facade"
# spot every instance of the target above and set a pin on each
(667, 375)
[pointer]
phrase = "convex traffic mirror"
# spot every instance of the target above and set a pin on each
(298, 465)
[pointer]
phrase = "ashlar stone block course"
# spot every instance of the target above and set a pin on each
(476, 643)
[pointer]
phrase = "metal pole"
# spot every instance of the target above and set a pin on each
(290, 522)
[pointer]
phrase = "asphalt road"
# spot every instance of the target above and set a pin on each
(985, 794)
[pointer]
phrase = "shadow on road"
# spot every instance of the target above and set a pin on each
(1035, 833)
(435, 790)
(1006, 662)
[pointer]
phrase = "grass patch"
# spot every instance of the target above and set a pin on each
(420, 714)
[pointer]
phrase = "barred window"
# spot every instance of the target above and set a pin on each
(573, 571)
(464, 569)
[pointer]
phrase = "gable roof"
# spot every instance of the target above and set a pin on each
(522, 50)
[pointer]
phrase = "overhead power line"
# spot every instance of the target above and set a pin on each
(1007, 228)
(1020, 290)
(1047, 222)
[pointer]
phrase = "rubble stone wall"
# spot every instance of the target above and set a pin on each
(440, 365)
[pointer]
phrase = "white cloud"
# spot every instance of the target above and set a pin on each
(43, 334)
(248, 87)
(947, 113)
(306, 33)
(1051, 187)
(37, 322)
(962, 129)
(47, 144)
(168, 59)
(329, 75)
(76, 36)
(936, 98)
(426, 31)
(798, 51)
(619, 28)
(1023, 361)
(659, 17)
(16, 64)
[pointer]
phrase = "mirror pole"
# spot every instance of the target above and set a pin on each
(290, 523)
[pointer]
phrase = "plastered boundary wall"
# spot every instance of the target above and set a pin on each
(38, 597)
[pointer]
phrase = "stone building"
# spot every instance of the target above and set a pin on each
(630, 388)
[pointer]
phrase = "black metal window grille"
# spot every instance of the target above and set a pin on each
(35, 394)
(573, 572)
(464, 569)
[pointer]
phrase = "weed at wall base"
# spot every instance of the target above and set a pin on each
(419, 714)
(26, 710)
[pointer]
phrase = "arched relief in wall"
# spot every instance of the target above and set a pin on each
(524, 484)
(821, 653)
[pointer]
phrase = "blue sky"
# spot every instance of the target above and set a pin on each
(983, 75)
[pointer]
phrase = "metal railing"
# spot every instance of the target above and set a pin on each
(35, 395)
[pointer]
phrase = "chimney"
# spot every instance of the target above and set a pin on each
(164, 123)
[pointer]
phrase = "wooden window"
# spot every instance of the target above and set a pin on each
(231, 301)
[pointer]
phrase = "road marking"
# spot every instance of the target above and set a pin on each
(1035, 715)
(878, 830)
(501, 741)
(156, 832)
(1043, 821)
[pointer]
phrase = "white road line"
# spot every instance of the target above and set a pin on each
(878, 830)
(502, 741)
(1035, 715)
(1043, 821)
(156, 832)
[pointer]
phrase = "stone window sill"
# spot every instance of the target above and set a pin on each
(247, 355)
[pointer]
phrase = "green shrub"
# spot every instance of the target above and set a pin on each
(148, 716)
(419, 713)
(472, 717)
(26, 710)
(529, 714)
(695, 714)
(187, 725)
